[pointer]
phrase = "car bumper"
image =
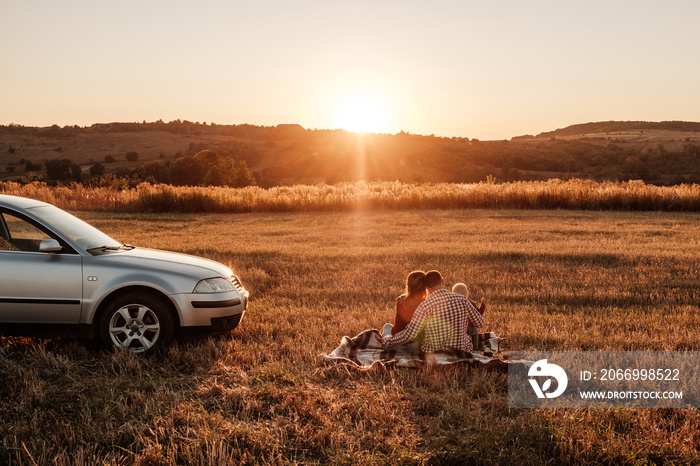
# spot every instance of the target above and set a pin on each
(218, 325)
(210, 310)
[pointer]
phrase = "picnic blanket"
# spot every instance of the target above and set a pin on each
(365, 350)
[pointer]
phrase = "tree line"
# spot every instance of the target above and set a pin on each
(205, 168)
(290, 154)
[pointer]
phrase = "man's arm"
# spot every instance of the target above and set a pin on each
(482, 308)
(475, 318)
(414, 327)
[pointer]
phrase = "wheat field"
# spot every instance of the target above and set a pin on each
(555, 280)
(119, 196)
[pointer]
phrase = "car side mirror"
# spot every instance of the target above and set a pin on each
(50, 245)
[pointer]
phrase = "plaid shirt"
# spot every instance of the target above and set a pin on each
(440, 323)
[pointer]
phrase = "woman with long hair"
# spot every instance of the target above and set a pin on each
(407, 303)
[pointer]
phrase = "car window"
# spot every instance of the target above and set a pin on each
(85, 235)
(20, 235)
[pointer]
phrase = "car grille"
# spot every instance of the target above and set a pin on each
(222, 324)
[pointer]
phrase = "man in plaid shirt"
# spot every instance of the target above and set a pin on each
(440, 322)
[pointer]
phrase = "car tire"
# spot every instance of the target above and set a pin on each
(138, 322)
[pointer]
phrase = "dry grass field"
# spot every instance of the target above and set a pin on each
(362, 195)
(556, 280)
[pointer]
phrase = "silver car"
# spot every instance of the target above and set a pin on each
(60, 276)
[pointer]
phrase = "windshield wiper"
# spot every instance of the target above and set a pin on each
(128, 247)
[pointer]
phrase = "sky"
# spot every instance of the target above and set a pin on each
(477, 69)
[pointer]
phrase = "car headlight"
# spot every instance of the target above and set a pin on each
(214, 285)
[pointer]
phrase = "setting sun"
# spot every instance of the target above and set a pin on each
(362, 112)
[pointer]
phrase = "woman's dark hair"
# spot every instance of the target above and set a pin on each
(415, 282)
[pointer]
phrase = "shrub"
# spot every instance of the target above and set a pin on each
(208, 168)
(62, 170)
(97, 169)
(31, 167)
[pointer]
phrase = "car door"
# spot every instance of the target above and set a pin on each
(36, 287)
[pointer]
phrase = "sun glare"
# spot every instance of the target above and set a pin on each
(362, 112)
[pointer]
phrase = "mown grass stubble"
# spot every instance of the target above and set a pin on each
(555, 280)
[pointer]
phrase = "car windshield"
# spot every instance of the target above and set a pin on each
(87, 236)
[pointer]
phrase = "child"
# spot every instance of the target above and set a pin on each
(461, 288)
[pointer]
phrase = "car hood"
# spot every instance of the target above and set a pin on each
(170, 261)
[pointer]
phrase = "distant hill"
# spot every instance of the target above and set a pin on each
(656, 152)
(604, 127)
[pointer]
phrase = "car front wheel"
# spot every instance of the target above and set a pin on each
(137, 322)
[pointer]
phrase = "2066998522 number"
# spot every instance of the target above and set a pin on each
(640, 374)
